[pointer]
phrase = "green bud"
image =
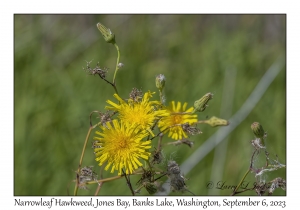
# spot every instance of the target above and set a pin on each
(258, 130)
(108, 36)
(215, 121)
(201, 104)
(160, 81)
(151, 188)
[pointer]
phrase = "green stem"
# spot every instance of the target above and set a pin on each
(81, 158)
(201, 121)
(181, 113)
(161, 96)
(100, 183)
(234, 192)
(150, 167)
(105, 180)
(117, 67)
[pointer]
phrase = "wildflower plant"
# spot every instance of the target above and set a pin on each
(260, 165)
(123, 137)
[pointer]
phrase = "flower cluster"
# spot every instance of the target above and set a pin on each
(124, 141)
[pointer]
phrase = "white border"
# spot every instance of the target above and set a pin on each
(9, 8)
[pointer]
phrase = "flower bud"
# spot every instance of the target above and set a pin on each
(151, 188)
(160, 81)
(108, 36)
(258, 130)
(214, 121)
(201, 104)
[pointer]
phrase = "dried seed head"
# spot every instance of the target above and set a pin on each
(261, 188)
(173, 168)
(157, 157)
(201, 104)
(276, 183)
(86, 174)
(87, 171)
(178, 183)
(96, 70)
(189, 129)
(146, 177)
(136, 94)
(108, 36)
(105, 117)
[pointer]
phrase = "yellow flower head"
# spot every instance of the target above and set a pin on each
(140, 112)
(178, 116)
(121, 146)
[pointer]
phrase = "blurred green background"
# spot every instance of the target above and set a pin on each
(53, 95)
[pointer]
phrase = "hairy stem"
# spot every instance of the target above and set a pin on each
(81, 158)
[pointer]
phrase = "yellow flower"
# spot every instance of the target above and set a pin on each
(140, 112)
(178, 116)
(121, 146)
